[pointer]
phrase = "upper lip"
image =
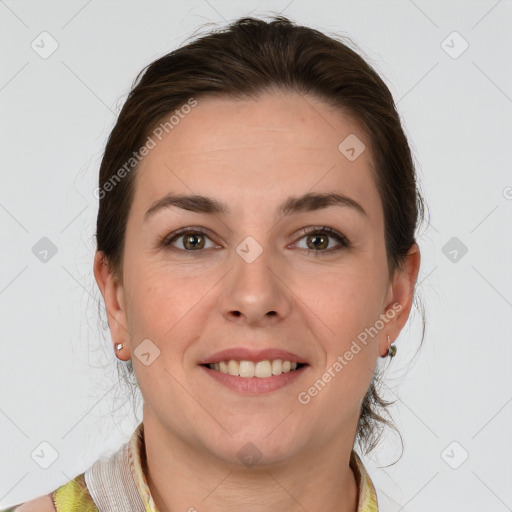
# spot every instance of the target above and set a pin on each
(247, 354)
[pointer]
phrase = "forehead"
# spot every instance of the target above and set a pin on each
(264, 148)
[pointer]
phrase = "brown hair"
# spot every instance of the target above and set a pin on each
(244, 59)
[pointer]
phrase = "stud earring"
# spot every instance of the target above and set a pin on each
(119, 346)
(391, 349)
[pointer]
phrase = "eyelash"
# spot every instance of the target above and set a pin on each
(344, 243)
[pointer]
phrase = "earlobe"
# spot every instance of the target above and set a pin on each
(402, 296)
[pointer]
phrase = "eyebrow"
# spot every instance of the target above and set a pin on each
(201, 204)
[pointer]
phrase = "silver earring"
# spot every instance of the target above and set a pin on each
(118, 346)
(391, 348)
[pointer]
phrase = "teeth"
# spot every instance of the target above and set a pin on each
(277, 367)
(261, 369)
(233, 367)
(246, 369)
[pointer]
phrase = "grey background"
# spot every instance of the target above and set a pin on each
(57, 371)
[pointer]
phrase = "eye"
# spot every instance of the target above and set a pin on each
(191, 240)
(317, 240)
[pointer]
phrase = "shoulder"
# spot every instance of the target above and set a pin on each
(40, 504)
(73, 496)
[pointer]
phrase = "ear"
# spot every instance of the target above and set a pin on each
(400, 298)
(113, 295)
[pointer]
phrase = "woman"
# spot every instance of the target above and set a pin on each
(256, 254)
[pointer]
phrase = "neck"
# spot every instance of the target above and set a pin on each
(182, 477)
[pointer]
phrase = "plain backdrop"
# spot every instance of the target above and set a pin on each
(65, 71)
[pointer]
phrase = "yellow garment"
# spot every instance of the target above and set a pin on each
(74, 495)
(70, 497)
(367, 495)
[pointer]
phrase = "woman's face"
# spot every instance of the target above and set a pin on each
(256, 276)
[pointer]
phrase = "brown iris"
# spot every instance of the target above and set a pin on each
(188, 241)
(318, 246)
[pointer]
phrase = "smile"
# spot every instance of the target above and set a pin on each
(260, 369)
(254, 378)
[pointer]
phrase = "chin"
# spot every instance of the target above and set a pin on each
(254, 447)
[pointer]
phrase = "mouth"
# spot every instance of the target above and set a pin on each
(254, 377)
(255, 369)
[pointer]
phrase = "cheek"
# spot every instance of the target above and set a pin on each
(152, 306)
(352, 350)
(169, 306)
(348, 301)
(346, 304)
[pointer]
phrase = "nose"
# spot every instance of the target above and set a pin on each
(256, 293)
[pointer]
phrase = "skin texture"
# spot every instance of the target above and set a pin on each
(40, 504)
(253, 155)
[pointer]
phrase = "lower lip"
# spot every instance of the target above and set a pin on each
(254, 385)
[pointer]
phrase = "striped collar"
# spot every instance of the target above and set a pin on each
(367, 495)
